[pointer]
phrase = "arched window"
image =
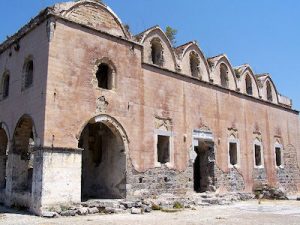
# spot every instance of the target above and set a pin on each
(224, 75)
(269, 92)
(104, 76)
(194, 64)
(5, 86)
(28, 73)
(157, 52)
(248, 81)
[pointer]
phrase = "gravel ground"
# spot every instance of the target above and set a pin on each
(241, 213)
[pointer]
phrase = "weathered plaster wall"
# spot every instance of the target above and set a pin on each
(143, 94)
(30, 101)
(57, 179)
(203, 66)
(70, 87)
(242, 84)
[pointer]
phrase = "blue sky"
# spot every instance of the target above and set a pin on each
(262, 33)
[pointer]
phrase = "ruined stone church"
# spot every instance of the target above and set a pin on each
(90, 111)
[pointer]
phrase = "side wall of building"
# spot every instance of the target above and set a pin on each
(23, 109)
(146, 97)
(30, 101)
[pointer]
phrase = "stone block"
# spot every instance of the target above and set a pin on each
(136, 211)
(93, 210)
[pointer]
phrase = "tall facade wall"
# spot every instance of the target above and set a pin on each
(146, 95)
(163, 112)
(30, 101)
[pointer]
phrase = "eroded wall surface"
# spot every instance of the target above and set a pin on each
(145, 93)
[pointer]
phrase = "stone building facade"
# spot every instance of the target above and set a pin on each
(89, 111)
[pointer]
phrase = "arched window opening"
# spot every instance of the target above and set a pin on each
(157, 52)
(224, 76)
(5, 87)
(3, 158)
(269, 92)
(28, 77)
(23, 141)
(194, 64)
(249, 89)
(104, 76)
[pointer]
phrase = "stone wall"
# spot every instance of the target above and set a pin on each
(232, 180)
(288, 174)
(259, 176)
(160, 180)
(56, 177)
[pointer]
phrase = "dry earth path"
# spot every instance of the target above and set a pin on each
(241, 213)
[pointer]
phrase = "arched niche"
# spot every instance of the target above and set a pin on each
(191, 51)
(222, 71)
(268, 90)
(247, 79)
(153, 36)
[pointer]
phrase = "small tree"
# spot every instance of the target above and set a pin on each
(127, 27)
(171, 34)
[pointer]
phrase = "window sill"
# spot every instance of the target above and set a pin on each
(259, 167)
(24, 89)
(159, 165)
(236, 166)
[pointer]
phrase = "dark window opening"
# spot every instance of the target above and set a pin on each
(6, 86)
(28, 74)
(156, 53)
(269, 92)
(224, 76)
(249, 85)
(29, 178)
(104, 76)
(163, 146)
(258, 160)
(278, 156)
(194, 64)
(233, 154)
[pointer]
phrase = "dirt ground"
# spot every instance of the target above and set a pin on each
(241, 213)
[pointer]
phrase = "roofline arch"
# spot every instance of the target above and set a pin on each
(107, 8)
(157, 28)
(248, 70)
(268, 78)
(223, 59)
(190, 45)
